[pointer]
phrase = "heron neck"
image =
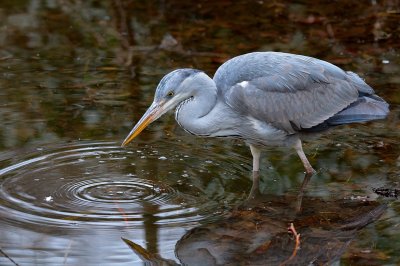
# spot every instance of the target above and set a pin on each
(193, 113)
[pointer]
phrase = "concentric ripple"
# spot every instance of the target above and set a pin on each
(102, 184)
(121, 191)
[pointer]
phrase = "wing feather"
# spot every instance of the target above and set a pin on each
(291, 92)
(290, 104)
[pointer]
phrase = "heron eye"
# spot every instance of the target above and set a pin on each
(170, 94)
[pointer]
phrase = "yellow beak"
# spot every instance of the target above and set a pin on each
(154, 112)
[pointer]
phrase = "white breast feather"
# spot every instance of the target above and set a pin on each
(244, 84)
(265, 130)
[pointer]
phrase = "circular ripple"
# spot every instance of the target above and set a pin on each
(102, 184)
(123, 191)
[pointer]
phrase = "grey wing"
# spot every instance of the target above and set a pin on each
(296, 94)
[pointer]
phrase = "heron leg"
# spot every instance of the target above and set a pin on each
(255, 187)
(299, 149)
(256, 152)
(299, 202)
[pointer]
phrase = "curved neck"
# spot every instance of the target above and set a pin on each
(191, 114)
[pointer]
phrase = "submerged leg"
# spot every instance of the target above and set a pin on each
(299, 149)
(256, 152)
(255, 187)
(306, 179)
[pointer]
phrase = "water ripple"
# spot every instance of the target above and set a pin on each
(102, 184)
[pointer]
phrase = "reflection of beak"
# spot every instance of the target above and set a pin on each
(154, 112)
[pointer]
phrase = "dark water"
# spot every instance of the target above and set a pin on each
(75, 75)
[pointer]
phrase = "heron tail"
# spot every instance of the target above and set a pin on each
(368, 107)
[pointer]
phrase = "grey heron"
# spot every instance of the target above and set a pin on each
(264, 98)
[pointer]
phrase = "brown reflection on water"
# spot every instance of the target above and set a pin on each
(73, 70)
(256, 233)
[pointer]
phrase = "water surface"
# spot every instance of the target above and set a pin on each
(76, 75)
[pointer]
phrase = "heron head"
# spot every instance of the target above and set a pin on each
(172, 90)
